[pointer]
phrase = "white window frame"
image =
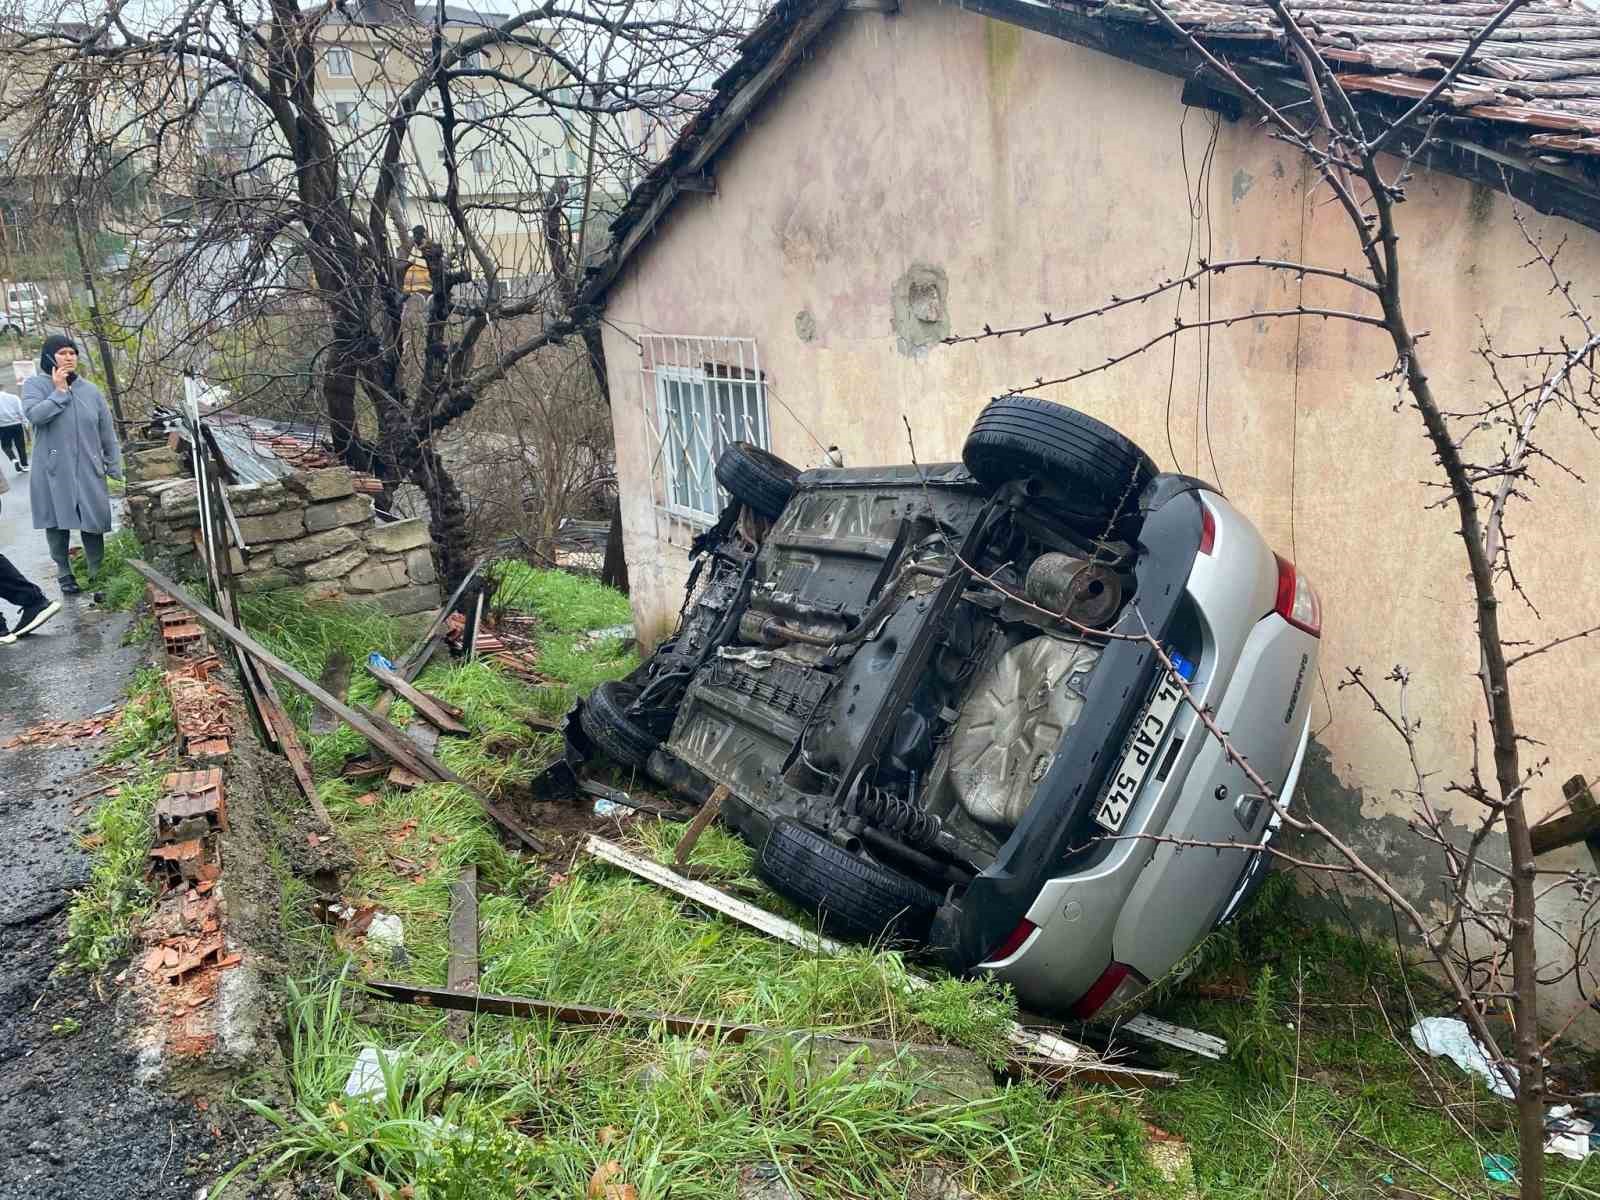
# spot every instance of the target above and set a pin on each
(347, 113)
(337, 56)
(726, 394)
(483, 160)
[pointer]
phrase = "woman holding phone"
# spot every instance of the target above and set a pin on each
(75, 448)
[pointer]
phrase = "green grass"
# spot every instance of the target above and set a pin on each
(123, 586)
(103, 913)
(530, 1110)
(565, 603)
(1322, 1093)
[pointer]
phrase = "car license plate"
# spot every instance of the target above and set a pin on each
(1140, 750)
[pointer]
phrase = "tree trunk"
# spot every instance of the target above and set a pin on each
(614, 571)
(447, 517)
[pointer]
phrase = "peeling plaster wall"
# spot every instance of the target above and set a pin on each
(1013, 173)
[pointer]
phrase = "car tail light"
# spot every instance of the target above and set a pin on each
(1118, 984)
(1208, 529)
(1297, 601)
(1012, 944)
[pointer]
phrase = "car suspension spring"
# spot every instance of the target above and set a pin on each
(895, 814)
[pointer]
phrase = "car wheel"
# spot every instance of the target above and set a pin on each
(755, 478)
(852, 896)
(1096, 471)
(604, 717)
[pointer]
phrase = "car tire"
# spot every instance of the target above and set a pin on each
(755, 478)
(1095, 470)
(852, 897)
(604, 718)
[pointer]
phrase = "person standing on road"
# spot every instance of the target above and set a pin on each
(75, 447)
(16, 588)
(13, 435)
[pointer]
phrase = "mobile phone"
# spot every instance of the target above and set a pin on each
(72, 378)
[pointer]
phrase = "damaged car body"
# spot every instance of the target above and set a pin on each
(936, 700)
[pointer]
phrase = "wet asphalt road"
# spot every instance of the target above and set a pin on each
(73, 1121)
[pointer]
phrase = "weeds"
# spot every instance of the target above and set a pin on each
(121, 584)
(564, 602)
(527, 1109)
(103, 912)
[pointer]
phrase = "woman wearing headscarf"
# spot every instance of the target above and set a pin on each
(75, 448)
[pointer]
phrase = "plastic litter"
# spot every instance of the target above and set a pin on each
(1497, 1168)
(379, 661)
(366, 1076)
(1450, 1037)
(386, 932)
(1566, 1134)
(609, 808)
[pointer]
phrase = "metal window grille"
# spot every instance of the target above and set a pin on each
(697, 395)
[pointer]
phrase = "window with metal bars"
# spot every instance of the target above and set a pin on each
(701, 408)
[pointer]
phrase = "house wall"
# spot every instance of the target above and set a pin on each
(1037, 175)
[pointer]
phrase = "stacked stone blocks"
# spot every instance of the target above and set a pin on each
(310, 531)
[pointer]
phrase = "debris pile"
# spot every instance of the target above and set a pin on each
(507, 641)
(61, 733)
(186, 947)
(202, 709)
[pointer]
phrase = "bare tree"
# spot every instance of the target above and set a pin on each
(342, 167)
(1485, 447)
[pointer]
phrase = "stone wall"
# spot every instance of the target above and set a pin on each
(309, 531)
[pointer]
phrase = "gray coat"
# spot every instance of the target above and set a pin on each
(74, 448)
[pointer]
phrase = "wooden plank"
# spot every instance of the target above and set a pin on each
(410, 666)
(561, 1014)
(289, 743)
(336, 679)
(432, 710)
(708, 813)
(375, 729)
(1036, 1043)
(1582, 823)
(461, 969)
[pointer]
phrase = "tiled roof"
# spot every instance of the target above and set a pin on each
(1540, 69)
(1532, 91)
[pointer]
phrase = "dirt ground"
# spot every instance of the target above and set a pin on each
(74, 1120)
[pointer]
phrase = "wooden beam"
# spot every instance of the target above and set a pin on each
(708, 813)
(1582, 824)
(336, 679)
(561, 1014)
(410, 666)
(461, 969)
(436, 712)
(374, 728)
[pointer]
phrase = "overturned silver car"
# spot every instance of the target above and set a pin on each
(935, 698)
